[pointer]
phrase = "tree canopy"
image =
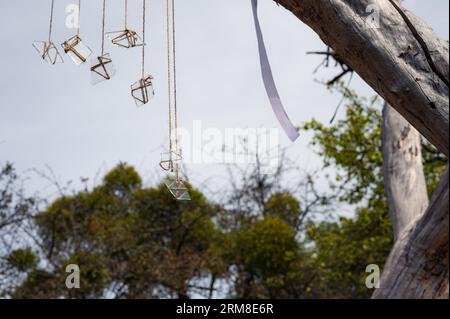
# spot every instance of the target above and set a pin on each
(134, 241)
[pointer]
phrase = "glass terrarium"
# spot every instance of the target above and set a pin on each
(48, 52)
(168, 161)
(102, 69)
(125, 39)
(178, 189)
(76, 50)
(142, 91)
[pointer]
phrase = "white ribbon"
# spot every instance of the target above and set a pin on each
(269, 82)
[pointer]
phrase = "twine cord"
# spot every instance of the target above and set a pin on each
(79, 18)
(169, 76)
(126, 14)
(51, 22)
(143, 38)
(172, 85)
(103, 27)
(177, 150)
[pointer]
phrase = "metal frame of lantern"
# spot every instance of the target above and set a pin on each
(47, 49)
(74, 46)
(170, 161)
(178, 189)
(76, 49)
(143, 91)
(102, 67)
(48, 52)
(125, 38)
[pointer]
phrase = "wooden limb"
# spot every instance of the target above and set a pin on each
(418, 264)
(404, 179)
(402, 59)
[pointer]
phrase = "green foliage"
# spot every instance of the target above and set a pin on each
(434, 164)
(343, 249)
(353, 147)
(122, 180)
(284, 206)
(266, 257)
(267, 249)
(94, 274)
(39, 284)
(132, 241)
(22, 259)
(123, 235)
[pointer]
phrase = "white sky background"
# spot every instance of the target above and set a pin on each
(53, 116)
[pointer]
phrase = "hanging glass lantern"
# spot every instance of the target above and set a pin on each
(76, 50)
(47, 50)
(168, 161)
(142, 91)
(125, 38)
(178, 189)
(102, 67)
(74, 47)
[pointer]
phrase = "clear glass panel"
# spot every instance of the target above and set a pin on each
(48, 52)
(125, 38)
(178, 189)
(76, 50)
(102, 69)
(142, 91)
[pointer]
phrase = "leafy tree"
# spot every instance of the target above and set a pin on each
(129, 241)
(264, 255)
(267, 240)
(342, 249)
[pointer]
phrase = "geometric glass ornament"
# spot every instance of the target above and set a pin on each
(178, 189)
(142, 91)
(77, 50)
(102, 69)
(48, 52)
(168, 161)
(125, 39)
(47, 49)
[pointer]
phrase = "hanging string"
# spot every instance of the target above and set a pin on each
(126, 14)
(79, 18)
(143, 38)
(103, 27)
(172, 85)
(169, 76)
(177, 147)
(51, 22)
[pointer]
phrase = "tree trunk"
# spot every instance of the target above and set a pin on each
(401, 58)
(418, 264)
(404, 178)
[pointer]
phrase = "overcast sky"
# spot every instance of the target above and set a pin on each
(53, 115)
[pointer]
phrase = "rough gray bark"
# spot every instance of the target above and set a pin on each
(403, 59)
(404, 178)
(418, 264)
(408, 65)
